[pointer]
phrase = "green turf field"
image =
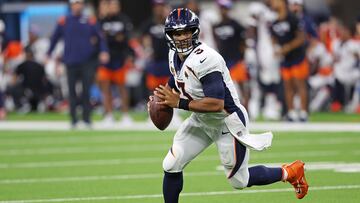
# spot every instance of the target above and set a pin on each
(126, 167)
(141, 116)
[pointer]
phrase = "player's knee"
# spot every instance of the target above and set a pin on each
(171, 162)
(240, 179)
(238, 184)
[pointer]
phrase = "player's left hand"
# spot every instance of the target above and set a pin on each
(169, 96)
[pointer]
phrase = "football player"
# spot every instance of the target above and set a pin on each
(230, 40)
(201, 83)
(346, 68)
(288, 32)
(117, 28)
(153, 40)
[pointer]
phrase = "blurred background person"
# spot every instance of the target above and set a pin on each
(84, 44)
(230, 41)
(12, 55)
(2, 84)
(310, 28)
(267, 63)
(153, 40)
(346, 68)
(30, 85)
(329, 32)
(157, 70)
(290, 36)
(207, 20)
(117, 28)
(321, 77)
(357, 38)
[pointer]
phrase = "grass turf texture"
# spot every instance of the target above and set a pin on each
(142, 116)
(78, 164)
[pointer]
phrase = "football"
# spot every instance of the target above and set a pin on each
(160, 114)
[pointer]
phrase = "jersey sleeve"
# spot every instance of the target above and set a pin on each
(208, 62)
(213, 85)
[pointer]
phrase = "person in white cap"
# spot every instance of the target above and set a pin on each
(297, 7)
(84, 47)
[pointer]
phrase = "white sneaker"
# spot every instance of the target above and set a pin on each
(108, 120)
(292, 116)
(303, 116)
(126, 120)
(24, 109)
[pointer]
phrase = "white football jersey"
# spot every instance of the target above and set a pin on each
(345, 69)
(200, 62)
(319, 53)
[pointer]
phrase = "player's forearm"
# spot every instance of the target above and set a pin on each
(206, 105)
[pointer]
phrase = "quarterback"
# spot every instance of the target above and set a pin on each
(201, 83)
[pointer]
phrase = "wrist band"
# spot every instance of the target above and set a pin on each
(184, 104)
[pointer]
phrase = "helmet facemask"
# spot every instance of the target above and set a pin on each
(183, 46)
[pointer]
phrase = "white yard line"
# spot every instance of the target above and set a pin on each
(193, 194)
(103, 162)
(256, 126)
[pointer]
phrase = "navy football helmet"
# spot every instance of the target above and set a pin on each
(178, 20)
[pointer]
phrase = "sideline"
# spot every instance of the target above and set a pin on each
(147, 126)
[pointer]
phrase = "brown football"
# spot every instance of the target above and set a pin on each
(160, 114)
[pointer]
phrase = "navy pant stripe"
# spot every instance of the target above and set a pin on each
(240, 151)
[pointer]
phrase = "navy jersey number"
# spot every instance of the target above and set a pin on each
(182, 89)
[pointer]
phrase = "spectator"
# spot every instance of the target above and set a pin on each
(230, 40)
(268, 64)
(153, 39)
(207, 18)
(2, 85)
(297, 7)
(321, 74)
(117, 28)
(346, 68)
(30, 85)
(39, 45)
(289, 34)
(329, 32)
(82, 41)
(357, 37)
